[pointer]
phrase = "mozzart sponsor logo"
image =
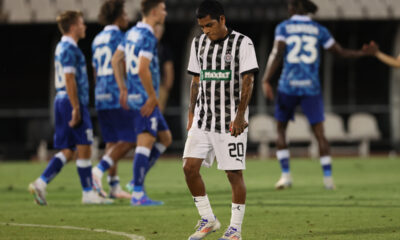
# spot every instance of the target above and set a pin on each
(216, 75)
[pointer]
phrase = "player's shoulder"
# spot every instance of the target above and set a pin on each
(283, 23)
(241, 37)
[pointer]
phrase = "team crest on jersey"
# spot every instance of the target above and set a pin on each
(228, 57)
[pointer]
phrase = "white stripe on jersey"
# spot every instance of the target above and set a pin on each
(221, 64)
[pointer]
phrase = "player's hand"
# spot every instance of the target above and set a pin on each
(190, 121)
(123, 98)
(237, 126)
(268, 92)
(76, 118)
(370, 49)
(149, 106)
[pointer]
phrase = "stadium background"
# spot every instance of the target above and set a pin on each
(29, 34)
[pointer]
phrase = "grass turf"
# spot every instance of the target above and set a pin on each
(365, 205)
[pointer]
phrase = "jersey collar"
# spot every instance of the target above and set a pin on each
(145, 25)
(223, 39)
(111, 27)
(302, 18)
(69, 39)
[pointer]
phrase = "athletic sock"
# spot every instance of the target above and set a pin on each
(326, 163)
(54, 167)
(155, 154)
(113, 181)
(283, 158)
(141, 163)
(204, 207)
(85, 173)
(237, 216)
(105, 163)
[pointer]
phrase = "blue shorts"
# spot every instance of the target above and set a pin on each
(152, 124)
(117, 125)
(66, 137)
(312, 106)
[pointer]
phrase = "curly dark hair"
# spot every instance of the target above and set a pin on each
(110, 11)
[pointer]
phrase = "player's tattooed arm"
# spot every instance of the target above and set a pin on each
(239, 124)
(194, 92)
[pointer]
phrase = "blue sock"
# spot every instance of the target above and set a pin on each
(326, 163)
(140, 165)
(155, 154)
(283, 157)
(54, 167)
(113, 181)
(85, 173)
(105, 163)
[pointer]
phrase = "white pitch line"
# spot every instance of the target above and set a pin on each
(128, 235)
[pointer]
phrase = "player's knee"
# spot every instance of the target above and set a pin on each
(68, 154)
(190, 169)
(234, 176)
(166, 140)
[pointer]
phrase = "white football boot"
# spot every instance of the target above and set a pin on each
(284, 182)
(205, 227)
(328, 183)
(38, 192)
(92, 197)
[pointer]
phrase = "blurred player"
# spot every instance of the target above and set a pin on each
(222, 63)
(72, 120)
(373, 49)
(116, 123)
(139, 49)
(166, 67)
(297, 43)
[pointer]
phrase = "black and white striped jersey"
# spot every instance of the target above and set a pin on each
(220, 65)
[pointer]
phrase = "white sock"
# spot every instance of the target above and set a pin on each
(237, 216)
(203, 206)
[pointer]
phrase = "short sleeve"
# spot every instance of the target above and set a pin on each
(122, 43)
(148, 46)
(280, 33)
(247, 59)
(68, 61)
(327, 40)
(194, 66)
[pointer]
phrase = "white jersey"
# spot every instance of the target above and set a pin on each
(220, 65)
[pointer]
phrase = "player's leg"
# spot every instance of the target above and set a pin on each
(38, 187)
(145, 142)
(313, 108)
(164, 140)
(63, 139)
(119, 133)
(231, 157)
(118, 152)
(208, 223)
(238, 204)
(284, 111)
(197, 148)
(84, 167)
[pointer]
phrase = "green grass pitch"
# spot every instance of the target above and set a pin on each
(365, 205)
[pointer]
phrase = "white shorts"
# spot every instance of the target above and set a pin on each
(229, 150)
